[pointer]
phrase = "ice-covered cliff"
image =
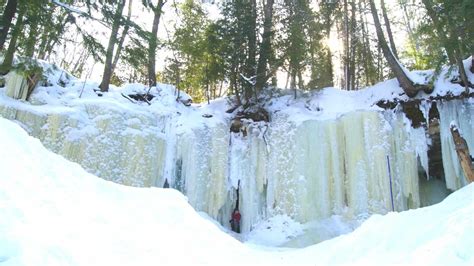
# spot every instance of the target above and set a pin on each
(325, 153)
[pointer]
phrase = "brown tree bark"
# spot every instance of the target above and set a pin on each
(8, 59)
(31, 40)
(389, 29)
(122, 36)
(346, 58)
(265, 46)
(251, 64)
(157, 10)
(407, 85)
(353, 45)
(6, 22)
(104, 85)
(462, 151)
(368, 59)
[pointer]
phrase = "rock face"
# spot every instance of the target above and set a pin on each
(308, 169)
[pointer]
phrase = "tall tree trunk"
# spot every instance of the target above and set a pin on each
(8, 59)
(461, 69)
(411, 35)
(366, 53)
(252, 49)
(31, 41)
(48, 40)
(104, 85)
(472, 63)
(293, 81)
(154, 43)
(346, 58)
(330, 77)
(6, 22)
(123, 36)
(352, 49)
(265, 46)
(406, 84)
(389, 29)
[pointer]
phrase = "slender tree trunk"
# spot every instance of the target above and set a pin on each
(472, 63)
(6, 22)
(413, 38)
(405, 82)
(157, 10)
(265, 46)
(300, 80)
(366, 53)
(31, 41)
(353, 46)
(389, 29)
(43, 42)
(8, 60)
(104, 85)
(461, 69)
(252, 49)
(329, 57)
(123, 36)
(293, 81)
(346, 58)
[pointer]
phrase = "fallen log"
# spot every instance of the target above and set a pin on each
(462, 150)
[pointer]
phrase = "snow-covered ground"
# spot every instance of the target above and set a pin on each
(52, 212)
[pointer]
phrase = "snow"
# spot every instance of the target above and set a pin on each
(321, 161)
(54, 213)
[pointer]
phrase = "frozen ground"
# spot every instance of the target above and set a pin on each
(54, 213)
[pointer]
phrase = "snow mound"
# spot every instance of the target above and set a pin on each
(54, 213)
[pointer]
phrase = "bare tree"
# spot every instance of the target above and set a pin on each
(108, 71)
(389, 29)
(407, 85)
(153, 43)
(123, 36)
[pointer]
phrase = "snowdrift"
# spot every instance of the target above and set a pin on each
(52, 212)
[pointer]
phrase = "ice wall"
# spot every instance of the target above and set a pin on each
(308, 170)
(111, 143)
(460, 112)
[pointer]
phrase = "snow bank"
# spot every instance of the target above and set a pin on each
(54, 213)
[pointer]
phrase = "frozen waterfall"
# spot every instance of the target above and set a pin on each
(308, 170)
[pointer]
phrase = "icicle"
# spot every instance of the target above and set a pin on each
(462, 113)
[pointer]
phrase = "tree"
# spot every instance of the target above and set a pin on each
(8, 14)
(407, 85)
(452, 22)
(153, 39)
(389, 29)
(116, 19)
(123, 36)
(17, 30)
(265, 47)
(296, 19)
